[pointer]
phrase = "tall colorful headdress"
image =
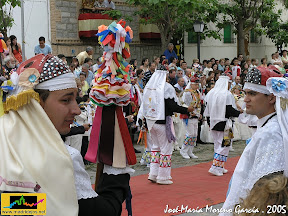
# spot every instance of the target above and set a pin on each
(110, 142)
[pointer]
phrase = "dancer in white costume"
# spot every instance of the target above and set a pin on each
(191, 96)
(159, 103)
(267, 152)
(220, 108)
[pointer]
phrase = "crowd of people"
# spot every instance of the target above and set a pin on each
(176, 104)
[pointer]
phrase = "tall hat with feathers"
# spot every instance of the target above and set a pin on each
(110, 142)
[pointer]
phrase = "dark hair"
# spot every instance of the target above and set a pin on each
(87, 60)
(239, 55)
(172, 58)
(82, 74)
(12, 37)
(43, 94)
(61, 56)
(151, 63)
(143, 60)
(226, 59)
(262, 60)
(183, 63)
(132, 61)
(162, 57)
(171, 70)
(138, 72)
(42, 38)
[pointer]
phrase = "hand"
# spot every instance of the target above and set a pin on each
(190, 109)
(86, 127)
(200, 117)
(241, 110)
(130, 118)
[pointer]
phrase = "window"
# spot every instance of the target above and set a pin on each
(192, 37)
(228, 34)
(253, 37)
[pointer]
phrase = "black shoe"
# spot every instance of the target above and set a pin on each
(137, 151)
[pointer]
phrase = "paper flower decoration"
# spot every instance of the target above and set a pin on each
(29, 77)
(278, 86)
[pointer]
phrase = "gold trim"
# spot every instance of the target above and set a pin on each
(15, 102)
(283, 103)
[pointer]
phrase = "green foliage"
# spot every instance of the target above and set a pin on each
(173, 17)
(117, 15)
(6, 20)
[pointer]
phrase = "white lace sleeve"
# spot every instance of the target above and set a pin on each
(116, 171)
(82, 180)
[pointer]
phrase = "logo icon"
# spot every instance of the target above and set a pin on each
(23, 204)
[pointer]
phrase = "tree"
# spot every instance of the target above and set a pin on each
(246, 15)
(6, 20)
(174, 16)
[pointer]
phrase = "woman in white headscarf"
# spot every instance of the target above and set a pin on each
(159, 103)
(220, 107)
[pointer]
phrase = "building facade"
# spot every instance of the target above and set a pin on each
(57, 21)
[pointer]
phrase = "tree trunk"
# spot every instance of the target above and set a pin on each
(165, 37)
(241, 38)
(164, 42)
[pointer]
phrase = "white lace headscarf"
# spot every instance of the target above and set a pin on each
(154, 95)
(216, 101)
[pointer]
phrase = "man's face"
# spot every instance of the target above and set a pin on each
(236, 62)
(237, 80)
(61, 107)
(179, 73)
(152, 67)
(11, 63)
(181, 82)
(172, 75)
(90, 52)
(209, 65)
(184, 66)
(227, 62)
(194, 86)
(42, 44)
(188, 72)
(170, 47)
(84, 69)
(258, 104)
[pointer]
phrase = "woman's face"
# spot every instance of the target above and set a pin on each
(135, 63)
(141, 75)
(284, 53)
(14, 42)
(157, 60)
(8, 42)
(265, 60)
(246, 66)
(146, 63)
(215, 67)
